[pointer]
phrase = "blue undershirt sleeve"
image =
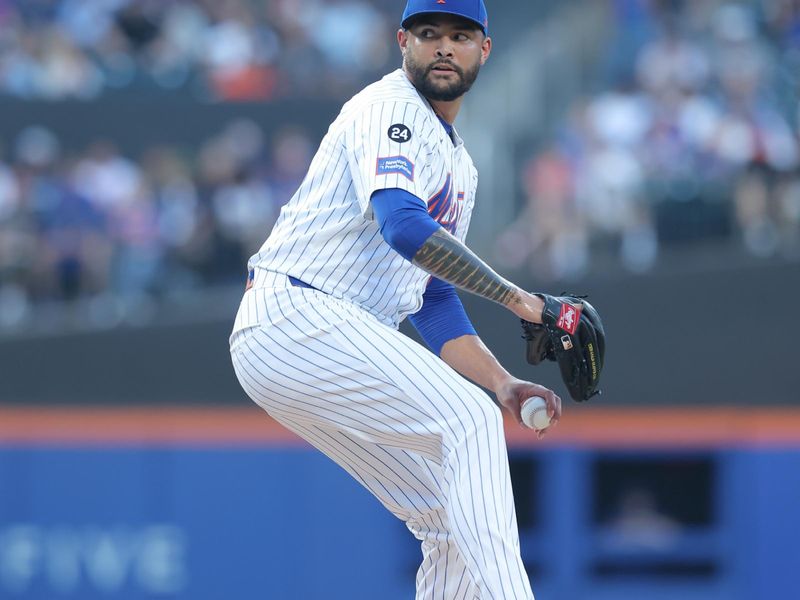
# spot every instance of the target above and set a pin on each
(442, 317)
(405, 225)
(403, 220)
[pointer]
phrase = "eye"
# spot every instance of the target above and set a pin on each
(427, 33)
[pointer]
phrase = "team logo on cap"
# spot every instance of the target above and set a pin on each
(440, 1)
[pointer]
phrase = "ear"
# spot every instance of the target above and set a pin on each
(402, 38)
(486, 49)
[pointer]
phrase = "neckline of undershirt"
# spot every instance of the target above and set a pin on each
(448, 128)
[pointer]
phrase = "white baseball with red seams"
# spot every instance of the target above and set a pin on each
(534, 413)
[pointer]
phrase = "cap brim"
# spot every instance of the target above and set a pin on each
(415, 16)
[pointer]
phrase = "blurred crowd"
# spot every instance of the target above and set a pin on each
(211, 49)
(692, 135)
(122, 231)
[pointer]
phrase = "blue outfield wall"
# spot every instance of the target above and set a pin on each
(272, 523)
(192, 524)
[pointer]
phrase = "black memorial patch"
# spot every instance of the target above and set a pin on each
(399, 133)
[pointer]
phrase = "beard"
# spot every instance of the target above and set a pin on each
(442, 91)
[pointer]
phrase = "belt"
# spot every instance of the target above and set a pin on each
(251, 274)
(297, 283)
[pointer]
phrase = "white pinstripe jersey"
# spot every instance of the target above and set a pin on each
(387, 136)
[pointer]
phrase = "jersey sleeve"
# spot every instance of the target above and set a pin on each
(388, 148)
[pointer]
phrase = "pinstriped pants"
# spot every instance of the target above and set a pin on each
(426, 442)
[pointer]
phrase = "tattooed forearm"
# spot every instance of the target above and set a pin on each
(443, 256)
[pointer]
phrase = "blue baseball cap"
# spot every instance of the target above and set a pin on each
(473, 10)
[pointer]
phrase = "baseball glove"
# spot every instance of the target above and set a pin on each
(572, 335)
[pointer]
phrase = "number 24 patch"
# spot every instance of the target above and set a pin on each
(399, 133)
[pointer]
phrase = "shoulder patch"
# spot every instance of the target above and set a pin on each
(395, 164)
(399, 133)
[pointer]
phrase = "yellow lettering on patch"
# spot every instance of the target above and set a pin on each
(594, 362)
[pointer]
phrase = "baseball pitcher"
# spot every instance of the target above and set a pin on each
(375, 234)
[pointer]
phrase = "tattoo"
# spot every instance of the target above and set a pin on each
(443, 256)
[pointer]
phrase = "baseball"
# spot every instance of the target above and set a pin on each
(534, 413)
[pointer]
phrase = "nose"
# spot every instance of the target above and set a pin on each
(445, 49)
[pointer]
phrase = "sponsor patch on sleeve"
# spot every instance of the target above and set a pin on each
(395, 165)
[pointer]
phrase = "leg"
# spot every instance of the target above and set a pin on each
(405, 483)
(426, 442)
